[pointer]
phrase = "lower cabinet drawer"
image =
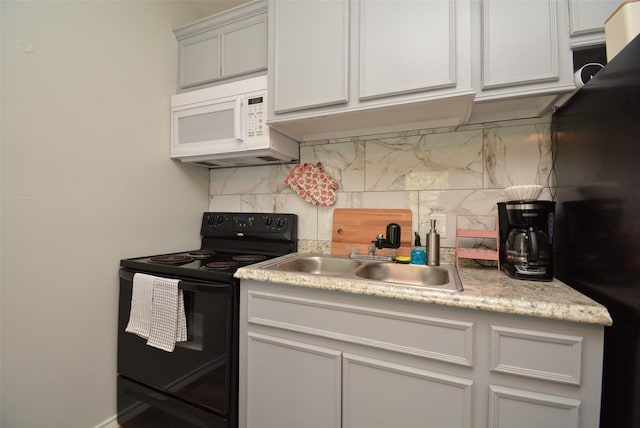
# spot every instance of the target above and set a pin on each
(536, 354)
(428, 337)
(511, 407)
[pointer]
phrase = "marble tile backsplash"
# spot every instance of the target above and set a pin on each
(451, 171)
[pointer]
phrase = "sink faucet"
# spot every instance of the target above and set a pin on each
(371, 255)
(372, 247)
(392, 241)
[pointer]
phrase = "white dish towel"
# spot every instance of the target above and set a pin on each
(157, 311)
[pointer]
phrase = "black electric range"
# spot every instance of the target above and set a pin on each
(196, 385)
(229, 241)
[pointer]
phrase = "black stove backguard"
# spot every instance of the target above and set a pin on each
(229, 237)
(196, 385)
(270, 234)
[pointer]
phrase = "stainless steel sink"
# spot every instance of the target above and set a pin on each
(420, 275)
(444, 277)
(319, 265)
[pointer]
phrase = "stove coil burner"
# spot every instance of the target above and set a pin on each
(171, 259)
(221, 265)
(249, 258)
(201, 254)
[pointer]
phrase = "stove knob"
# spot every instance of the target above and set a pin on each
(268, 221)
(210, 220)
(220, 219)
(280, 222)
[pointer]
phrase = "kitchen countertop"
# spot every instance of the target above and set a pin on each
(485, 289)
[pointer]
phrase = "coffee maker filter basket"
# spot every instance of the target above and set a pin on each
(527, 192)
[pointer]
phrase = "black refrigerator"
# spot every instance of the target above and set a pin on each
(596, 151)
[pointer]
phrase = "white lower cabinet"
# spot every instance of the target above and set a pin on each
(292, 384)
(311, 386)
(382, 393)
(511, 407)
(315, 358)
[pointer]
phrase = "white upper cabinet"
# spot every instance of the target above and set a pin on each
(519, 51)
(223, 46)
(522, 60)
(311, 53)
(244, 46)
(356, 67)
(199, 60)
(406, 47)
(586, 20)
(347, 67)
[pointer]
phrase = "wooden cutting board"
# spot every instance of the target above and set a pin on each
(360, 226)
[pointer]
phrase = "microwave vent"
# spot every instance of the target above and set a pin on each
(208, 164)
(240, 162)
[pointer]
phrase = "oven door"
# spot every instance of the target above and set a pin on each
(201, 371)
(144, 407)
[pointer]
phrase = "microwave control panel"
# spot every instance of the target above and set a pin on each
(256, 116)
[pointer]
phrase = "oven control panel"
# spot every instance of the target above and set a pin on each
(250, 225)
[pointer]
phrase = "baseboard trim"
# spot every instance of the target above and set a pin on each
(112, 422)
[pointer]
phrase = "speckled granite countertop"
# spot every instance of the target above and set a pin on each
(485, 289)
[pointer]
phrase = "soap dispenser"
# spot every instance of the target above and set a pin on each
(433, 242)
(418, 255)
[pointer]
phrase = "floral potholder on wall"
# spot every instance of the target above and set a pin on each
(313, 184)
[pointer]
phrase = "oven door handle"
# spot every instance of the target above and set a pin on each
(189, 285)
(203, 287)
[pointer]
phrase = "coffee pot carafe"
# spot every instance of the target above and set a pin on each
(526, 236)
(527, 246)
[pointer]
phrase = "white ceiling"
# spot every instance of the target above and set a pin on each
(210, 7)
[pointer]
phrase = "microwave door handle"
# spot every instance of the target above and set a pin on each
(238, 122)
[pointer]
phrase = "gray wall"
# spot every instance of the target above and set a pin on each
(85, 90)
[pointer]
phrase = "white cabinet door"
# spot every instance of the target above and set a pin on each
(380, 394)
(523, 59)
(588, 16)
(311, 40)
(586, 21)
(199, 59)
(244, 46)
(292, 384)
(224, 45)
(406, 46)
(512, 407)
(519, 42)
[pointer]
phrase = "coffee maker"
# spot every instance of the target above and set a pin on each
(526, 239)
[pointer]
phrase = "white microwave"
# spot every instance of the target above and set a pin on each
(225, 126)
